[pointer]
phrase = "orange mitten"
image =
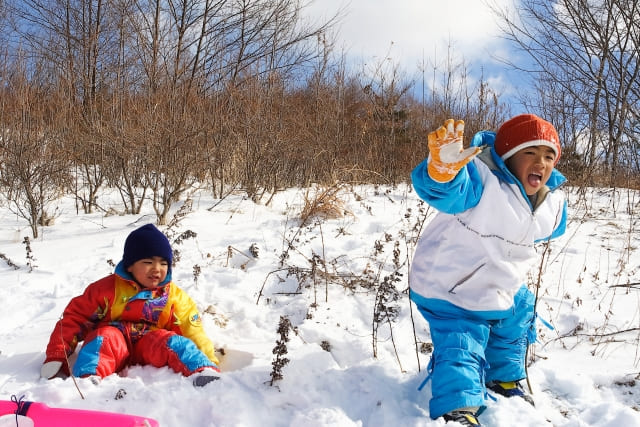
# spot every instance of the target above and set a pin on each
(446, 154)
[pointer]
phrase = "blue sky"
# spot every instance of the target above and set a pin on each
(413, 32)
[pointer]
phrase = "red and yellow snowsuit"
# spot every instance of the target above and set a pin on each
(122, 323)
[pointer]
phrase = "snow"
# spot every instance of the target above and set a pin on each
(583, 372)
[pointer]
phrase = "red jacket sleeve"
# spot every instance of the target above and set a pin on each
(81, 316)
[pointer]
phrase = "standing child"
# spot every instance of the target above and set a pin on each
(136, 315)
(470, 266)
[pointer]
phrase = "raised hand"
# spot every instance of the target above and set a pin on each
(447, 155)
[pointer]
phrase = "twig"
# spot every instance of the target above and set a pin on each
(626, 285)
(393, 342)
(230, 250)
(9, 262)
(265, 282)
(609, 334)
(326, 280)
(535, 307)
(415, 337)
(210, 208)
(64, 345)
(420, 224)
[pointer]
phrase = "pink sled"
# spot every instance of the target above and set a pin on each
(43, 415)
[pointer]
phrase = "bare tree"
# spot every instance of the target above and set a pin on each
(76, 38)
(33, 173)
(589, 51)
(385, 87)
(156, 97)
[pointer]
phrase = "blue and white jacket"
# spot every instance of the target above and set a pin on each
(478, 249)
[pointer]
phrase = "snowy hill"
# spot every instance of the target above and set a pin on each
(247, 265)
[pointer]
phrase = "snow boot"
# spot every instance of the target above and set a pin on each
(204, 377)
(510, 389)
(466, 418)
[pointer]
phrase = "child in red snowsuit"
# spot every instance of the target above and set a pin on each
(136, 315)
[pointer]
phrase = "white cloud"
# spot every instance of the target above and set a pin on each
(416, 32)
(417, 28)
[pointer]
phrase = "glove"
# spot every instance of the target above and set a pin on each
(51, 368)
(446, 154)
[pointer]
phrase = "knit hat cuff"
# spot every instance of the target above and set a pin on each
(146, 242)
(533, 143)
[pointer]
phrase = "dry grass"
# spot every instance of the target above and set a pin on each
(324, 203)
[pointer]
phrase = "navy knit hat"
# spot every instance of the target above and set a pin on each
(146, 242)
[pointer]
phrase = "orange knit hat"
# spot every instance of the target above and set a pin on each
(524, 131)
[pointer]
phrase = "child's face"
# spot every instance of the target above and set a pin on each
(532, 166)
(149, 272)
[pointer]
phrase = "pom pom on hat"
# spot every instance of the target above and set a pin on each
(526, 130)
(146, 242)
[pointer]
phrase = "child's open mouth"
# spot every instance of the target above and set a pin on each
(534, 179)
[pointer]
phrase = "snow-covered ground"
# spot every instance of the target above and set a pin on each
(324, 275)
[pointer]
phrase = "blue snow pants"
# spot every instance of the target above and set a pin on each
(470, 350)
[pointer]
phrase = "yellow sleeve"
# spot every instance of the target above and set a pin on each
(188, 323)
